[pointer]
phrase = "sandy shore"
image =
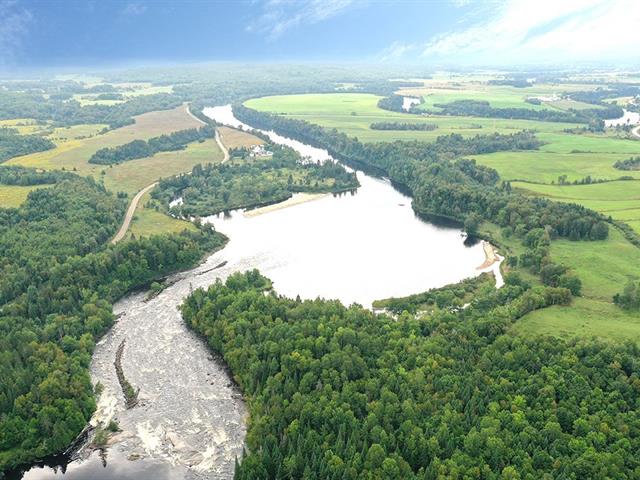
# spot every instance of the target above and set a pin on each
(490, 255)
(296, 199)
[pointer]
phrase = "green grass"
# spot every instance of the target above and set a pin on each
(133, 175)
(620, 200)
(15, 195)
(585, 318)
(353, 113)
(148, 221)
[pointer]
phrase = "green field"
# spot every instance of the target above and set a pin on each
(15, 195)
(584, 317)
(148, 221)
(619, 200)
(74, 153)
(353, 113)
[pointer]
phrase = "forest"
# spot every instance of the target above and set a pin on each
(142, 149)
(57, 283)
(212, 188)
(342, 393)
(12, 144)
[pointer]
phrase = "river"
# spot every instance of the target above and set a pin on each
(628, 118)
(191, 421)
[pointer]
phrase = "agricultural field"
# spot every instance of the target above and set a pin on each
(74, 153)
(134, 175)
(353, 113)
(15, 195)
(233, 138)
(619, 199)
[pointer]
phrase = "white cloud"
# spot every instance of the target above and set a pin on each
(134, 9)
(521, 31)
(14, 24)
(278, 16)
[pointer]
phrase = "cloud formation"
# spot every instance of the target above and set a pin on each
(279, 16)
(134, 9)
(523, 31)
(14, 24)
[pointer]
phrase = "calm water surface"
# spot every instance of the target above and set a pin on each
(191, 421)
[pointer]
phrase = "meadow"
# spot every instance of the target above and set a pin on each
(15, 195)
(353, 113)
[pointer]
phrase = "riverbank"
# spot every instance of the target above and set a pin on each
(490, 254)
(295, 199)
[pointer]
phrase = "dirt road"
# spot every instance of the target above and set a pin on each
(130, 211)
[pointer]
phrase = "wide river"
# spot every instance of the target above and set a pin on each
(191, 421)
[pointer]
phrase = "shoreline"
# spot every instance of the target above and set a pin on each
(295, 199)
(490, 255)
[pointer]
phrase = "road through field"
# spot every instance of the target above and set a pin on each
(225, 152)
(130, 211)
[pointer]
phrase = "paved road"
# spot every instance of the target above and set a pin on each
(636, 131)
(132, 209)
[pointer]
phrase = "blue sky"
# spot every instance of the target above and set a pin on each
(37, 33)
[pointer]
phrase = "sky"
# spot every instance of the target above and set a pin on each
(49, 33)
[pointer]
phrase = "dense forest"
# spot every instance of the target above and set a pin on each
(403, 126)
(12, 144)
(342, 393)
(215, 188)
(142, 149)
(57, 282)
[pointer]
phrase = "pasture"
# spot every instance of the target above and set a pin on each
(74, 153)
(15, 195)
(353, 113)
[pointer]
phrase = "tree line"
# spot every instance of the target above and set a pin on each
(142, 149)
(342, 393)
(632, 163)
(403, 126)
(482, 108)
(13, 144)
(16, 175)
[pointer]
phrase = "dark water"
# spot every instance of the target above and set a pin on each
(191, 422)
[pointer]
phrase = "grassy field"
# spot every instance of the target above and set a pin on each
(132, 176)
(74, 153)
(620, 200)
(233, 138)
(586, 318)
(353, 113)
(147, 221)
(15, 195)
